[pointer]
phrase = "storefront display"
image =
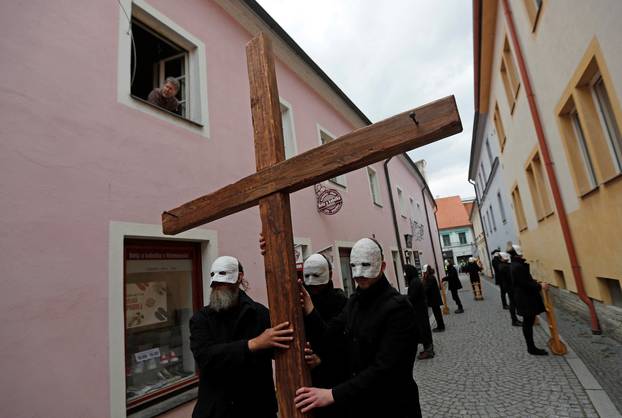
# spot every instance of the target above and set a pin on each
(162, 290)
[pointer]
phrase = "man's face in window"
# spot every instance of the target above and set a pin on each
(168, 90)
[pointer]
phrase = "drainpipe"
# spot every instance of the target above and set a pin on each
(481, 221)
(548, 163)
(397, 231)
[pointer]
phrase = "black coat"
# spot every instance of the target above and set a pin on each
(379, 340)
(526, 290)
(504, 276)
(495, 268)
(233, 382)
(328, 303)
(473, 269)
(432, 292)
(452, 278)
(416, 296)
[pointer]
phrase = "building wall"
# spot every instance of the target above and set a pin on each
(553, 53)
(459, 250)
(480, 241)
(78, 163)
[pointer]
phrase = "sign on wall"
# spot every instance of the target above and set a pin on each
(329, 201)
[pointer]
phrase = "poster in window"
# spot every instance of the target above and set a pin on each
(145, 304)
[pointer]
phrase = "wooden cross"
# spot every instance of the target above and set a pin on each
(276, 178)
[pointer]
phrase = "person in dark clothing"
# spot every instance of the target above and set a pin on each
(379, 338)
(473, 269)
(496, 260)
(453, 283)
(505, 278)
(527, 296)
(232, 344)
(416, 296)
(433, 297)
(326, 369)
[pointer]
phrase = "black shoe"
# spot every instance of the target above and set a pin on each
(517, 323)
(538, 352)
(459, 310)
(506, 307)
(425, 355)
(437, 329)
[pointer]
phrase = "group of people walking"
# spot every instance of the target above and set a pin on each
(360, 350)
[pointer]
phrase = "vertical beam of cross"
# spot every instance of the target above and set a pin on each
(283, 293)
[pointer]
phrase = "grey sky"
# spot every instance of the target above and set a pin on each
(392, 56)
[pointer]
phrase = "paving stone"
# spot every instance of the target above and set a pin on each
(482, 368)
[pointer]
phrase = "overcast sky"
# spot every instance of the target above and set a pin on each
(391, 56)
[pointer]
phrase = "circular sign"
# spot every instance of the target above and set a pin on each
(329, 201)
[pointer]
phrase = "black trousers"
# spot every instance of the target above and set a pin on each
(504, 291)
(456, 298)
(512, 306)
(438, 315)
(528, 321)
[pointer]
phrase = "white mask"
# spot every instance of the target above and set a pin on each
(224, 270)
(316, 270)
(504, 256)
(518, 249)
(366, 259)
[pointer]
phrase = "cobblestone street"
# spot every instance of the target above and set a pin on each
(482, 368)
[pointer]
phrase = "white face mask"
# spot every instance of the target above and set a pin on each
(316, 270)
(366, 259)
(224, 270)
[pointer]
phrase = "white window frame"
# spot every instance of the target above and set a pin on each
(338, 180)
(289, 129)
(372, 178)
(400, 201)
(581, 143)
(197, 120)
(117, 232)
(162, 64)
(608, 122)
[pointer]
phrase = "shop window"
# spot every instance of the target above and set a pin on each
(518, 209)
(538, 187)
(374, 186)
(534, 8)
(154, 60)
(509, 75)
(289, 136)
(325, 138)
(162, 286)
(589, 119)
(499, 127)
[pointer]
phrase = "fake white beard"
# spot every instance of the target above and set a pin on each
(223, 298)
(227, 265)
(315, 270)
(366, 259)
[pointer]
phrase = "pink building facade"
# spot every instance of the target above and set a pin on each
(95, 298)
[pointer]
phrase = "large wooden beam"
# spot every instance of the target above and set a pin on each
(357, 149)
(280, 267)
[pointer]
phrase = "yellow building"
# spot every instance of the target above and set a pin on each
(548, 84)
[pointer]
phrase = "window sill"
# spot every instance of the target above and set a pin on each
(404, 216)
(166, 112)
(522, 229)
(377, 204)
(611, 179)
(590, 192)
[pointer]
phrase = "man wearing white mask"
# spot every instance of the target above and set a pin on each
(232, 344)
(377, 336)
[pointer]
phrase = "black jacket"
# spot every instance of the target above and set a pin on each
(504, 276)
(473, 269)
(452, 279)
(416, 296)
(233, 382)
(328, 303)
(526, 290)
(379, 338)
(495, 268)
(432, 292)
